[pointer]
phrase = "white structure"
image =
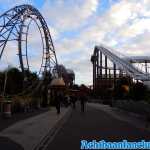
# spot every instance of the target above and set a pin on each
(124, 63)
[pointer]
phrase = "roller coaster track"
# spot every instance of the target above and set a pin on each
(123, 64)
(15, 23)
(14, 26)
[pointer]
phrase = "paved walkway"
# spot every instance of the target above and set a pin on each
(29, 133)
(5, 123)
(8, 144)
(96, 124)
(132, 118)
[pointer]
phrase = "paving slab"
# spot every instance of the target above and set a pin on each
(28, 133)
(132, 118)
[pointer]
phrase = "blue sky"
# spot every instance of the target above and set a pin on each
(77, 26)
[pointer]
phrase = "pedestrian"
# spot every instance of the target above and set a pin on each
(73, 101)
(67, 100)
(57, 102)
(82, 101)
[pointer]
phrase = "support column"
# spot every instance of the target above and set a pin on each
(106, 67)
(109, 77)
(98, 63)
(96, 70)
(94, 74)
(120, 73)
(146, 67)
(114, 74)
(101, 57)
(109, 74)
(93, 60)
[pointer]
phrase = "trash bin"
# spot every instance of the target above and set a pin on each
(7, 109)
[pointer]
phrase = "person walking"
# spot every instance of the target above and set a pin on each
(57, 102)
(82, 101)
(73, 101)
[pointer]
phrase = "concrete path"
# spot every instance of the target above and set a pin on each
(134, 119)
(7, 144)
(29, 133)
(94, 124)
(16, 117)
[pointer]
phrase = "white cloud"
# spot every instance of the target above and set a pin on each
(120, 13)
(73, 15)
(8, 4)
(69, 45)
(124, 26)
(82, 68)
(137, 27)
(10, 56)
(54, 32)
(139, 45)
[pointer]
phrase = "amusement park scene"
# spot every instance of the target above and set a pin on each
(74, 74)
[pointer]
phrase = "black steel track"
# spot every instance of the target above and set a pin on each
(12, 26)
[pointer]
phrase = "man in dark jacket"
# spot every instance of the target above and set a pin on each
(57, 102)
(73, 101)
(83, 99)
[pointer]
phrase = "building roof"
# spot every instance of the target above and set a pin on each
(57, 82)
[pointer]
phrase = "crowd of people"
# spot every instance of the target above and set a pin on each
(66, 100)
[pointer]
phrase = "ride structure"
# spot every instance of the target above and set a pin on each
(110, 65)
(14, 26)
